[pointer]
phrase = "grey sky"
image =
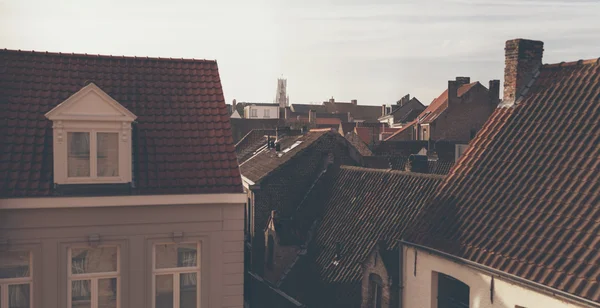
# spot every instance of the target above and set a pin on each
(375, 51)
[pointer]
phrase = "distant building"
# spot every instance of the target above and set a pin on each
(257, 111)
(456, 115)
(403, 112)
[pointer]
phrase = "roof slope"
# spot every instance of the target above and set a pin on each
(524, 197)
(253, 141)
(359, 207)
(266, 161)
(182, 138)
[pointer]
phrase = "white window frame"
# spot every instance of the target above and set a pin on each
(253, 113)
(176, 272)
(267, 113)
(5, 283)
(93, 277)
(93, 158)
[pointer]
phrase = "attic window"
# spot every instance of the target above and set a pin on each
(91, 139)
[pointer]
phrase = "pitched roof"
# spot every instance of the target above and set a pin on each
(182, 137)
(266, 161)
(355, 140)
(358, 208)
(523, 198)
(241, 127)
(254, 140)
(408, 110)
(305, 108)
(359, 112)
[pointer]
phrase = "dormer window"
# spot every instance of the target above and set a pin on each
(92, 139)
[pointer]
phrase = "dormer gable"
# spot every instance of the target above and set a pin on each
(91, 139)
(90, 104)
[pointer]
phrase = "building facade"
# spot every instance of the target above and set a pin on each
(108, 196)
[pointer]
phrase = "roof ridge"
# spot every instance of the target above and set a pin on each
(572, 63)
(85, 55)
(401, 172)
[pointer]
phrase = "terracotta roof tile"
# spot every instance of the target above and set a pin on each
(524, 198)
(182, 130)
(358, 208)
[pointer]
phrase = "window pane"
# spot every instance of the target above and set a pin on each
(93, 260)
(107, 293)
(164, 291)
(108, 154)
(14, 264)
(18, 296)
(78, 149)
(81, 295)
(176, 255)
(188, 285)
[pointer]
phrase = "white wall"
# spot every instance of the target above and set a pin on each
(418, 290)
(260, 112)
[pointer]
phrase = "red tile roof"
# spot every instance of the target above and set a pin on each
(358, 208)
(523, 198)
(182, 137)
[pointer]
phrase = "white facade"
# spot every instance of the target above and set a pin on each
(261, 111)
(420, 290)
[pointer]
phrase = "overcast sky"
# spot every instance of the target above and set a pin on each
(375, 51)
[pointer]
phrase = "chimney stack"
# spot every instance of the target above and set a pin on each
(522, 59)
(405, 99)
(463, 80)
(233, 105)
(494, 91)
(354, 102)
(332, 100)
(417, 163)
(452, 91)
(383, 110)
(312, 117)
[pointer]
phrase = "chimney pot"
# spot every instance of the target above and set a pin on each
(522, 58)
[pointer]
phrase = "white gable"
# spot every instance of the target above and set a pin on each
(90, 103)
(235, 115)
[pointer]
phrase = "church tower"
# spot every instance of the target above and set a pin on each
(281, 96)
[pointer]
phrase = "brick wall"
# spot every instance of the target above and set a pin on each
(463, 116)
(374, 265)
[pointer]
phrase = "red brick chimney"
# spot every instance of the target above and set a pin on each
(522, 59)
(494, 91)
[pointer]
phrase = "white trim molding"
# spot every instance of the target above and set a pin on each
(146, 200)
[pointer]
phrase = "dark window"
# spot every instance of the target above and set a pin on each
(270, 251)
(375, 290)
(452, 293)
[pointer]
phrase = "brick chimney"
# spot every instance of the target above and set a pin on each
(233, 105)
(383, 110)
(312, 117)
(494, 91)
(452, 91)
(332, 100)
(522, 58)
(354, 102)
(463, 80)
